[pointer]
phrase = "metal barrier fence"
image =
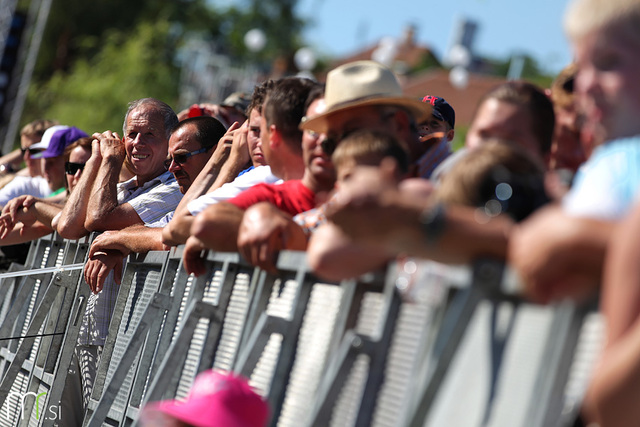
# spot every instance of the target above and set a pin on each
(457, 349)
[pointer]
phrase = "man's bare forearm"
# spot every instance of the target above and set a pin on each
(45, 211)
(217, 227)
(104, 193)
(22, 234)
(140, 239)
(178, 230)
(136, 238)
(73, 216)
(229, 172)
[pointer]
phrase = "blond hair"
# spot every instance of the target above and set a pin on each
(562, 91)
(585, 16)
(367, 147)
(36, 128)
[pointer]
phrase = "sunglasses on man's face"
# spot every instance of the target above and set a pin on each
(31, 152)
(72, 168)
(181, 158)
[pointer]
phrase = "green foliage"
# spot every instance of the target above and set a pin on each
(77, 28)
(94, 94)
(459, 137)
(531, 70)
(427, 61)
(97, 56)
(276, 18)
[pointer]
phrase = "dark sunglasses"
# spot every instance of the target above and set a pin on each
(181, 158)
(72, 168)
(31, 152)
(329, 145)
(330, 142)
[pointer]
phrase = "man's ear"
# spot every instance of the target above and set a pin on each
(275, 136)
(402, 121)
(450, 134)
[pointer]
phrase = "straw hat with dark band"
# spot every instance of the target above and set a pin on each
(362, 83)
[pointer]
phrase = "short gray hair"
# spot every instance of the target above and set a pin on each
(169, 117)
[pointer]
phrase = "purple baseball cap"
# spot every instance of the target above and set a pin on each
(55, 140)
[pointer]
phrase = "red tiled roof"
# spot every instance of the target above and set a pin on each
(463, 101)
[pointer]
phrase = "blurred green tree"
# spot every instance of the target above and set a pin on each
(94, 93)
(97, 56)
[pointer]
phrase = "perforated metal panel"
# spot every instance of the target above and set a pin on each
(348, 354)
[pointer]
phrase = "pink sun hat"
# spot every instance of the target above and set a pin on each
(216, 399)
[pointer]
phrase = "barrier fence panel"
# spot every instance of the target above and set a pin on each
(33, 328)
(274, 337)
(212, 314)
(26, 295)
(140, 282)
(8, 289)
(421, 344)
(521, 380)
(180, 299)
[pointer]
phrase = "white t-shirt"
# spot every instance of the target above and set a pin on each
(606, 186)
(232, 189)
(35, 186)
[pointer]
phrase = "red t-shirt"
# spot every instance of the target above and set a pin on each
(290, 196)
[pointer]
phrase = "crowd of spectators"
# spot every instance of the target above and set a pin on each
(357, 174)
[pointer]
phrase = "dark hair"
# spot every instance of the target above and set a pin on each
(537, 104)
(316, 92)
(284, 107)
(259, 93)
(169, 117)
(209, 130)
(368, 147)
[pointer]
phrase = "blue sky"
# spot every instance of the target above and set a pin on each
(505, 26)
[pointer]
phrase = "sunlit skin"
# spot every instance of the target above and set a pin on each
(33, 165)
(272, 161)
(182, 142)
(53, 168)
(320, 173)
(145, 142)
(502, 120)
(77, 155)
(253, 139)
(566, 151)
(434, 125)
(607, 83)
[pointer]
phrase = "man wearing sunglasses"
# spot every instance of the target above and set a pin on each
(190, 147)
(50, 151)
(359, 95)
(30, 182)
(193, 142)
(282, 143)
(215, 184)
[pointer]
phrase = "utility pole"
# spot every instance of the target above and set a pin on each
(20, 38)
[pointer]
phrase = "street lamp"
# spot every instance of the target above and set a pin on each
(305, 60)
(255, 40)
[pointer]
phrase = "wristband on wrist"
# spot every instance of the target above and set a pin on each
(433, 222)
